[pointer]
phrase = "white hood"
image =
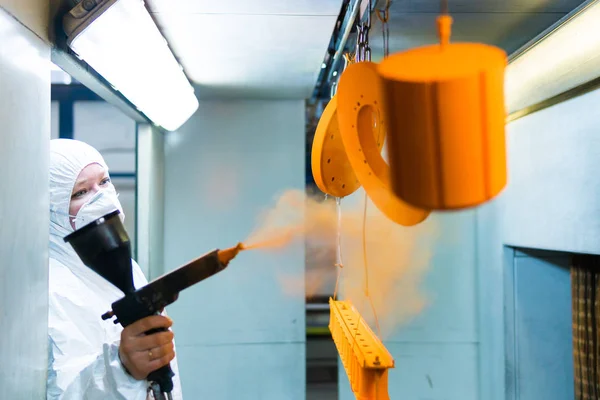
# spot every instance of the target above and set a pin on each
(83, 349)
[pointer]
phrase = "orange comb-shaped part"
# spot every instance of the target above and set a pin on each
(365, 358)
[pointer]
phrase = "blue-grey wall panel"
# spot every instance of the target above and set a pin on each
(246, 303)
(554, 185)
(449, 284)
(246, 371)
(223, 169)
(24, 154)
(432, 371)
(490, 299)
(538, 329)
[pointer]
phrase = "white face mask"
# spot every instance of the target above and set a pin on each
(102, 202)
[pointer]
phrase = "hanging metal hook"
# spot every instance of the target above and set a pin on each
(444, 7)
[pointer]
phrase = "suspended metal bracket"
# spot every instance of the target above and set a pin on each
(353, 12)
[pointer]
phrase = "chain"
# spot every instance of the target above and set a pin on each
(384, 16)
(363, 51)
(339, 264)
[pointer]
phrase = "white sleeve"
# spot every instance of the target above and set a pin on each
(77, 370)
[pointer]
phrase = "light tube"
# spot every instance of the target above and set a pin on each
(564, 58)
(120, 41)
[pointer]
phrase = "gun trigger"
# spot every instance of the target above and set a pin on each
(107, 315)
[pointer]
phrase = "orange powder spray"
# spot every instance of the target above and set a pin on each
(397, 257)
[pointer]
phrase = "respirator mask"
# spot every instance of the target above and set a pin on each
(101, 203)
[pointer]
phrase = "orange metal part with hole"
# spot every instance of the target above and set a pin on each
(363, 126)
(330, 166)
(446, 118)
(365, 358)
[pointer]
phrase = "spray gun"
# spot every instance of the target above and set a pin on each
(104, 246)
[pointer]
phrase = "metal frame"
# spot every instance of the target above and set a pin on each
(352, 13)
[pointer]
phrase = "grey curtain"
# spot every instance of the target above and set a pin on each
(585, 286)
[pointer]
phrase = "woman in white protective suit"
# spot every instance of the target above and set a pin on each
(90, 358)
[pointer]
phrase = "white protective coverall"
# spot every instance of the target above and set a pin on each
(83, 359)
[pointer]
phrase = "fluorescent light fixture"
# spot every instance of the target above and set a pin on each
(562, 58)
(120, 41)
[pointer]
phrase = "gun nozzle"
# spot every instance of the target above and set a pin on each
(225, 256)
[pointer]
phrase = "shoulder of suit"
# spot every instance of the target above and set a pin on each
(60, 277)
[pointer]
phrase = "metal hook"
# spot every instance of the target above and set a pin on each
(444, 7)
(360, 43)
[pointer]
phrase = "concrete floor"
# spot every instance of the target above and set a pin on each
(322, 391)
(322, 369)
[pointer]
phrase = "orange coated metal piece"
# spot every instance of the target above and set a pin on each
(363, 127)
(365, 358)
(446, 116)
(330, 166)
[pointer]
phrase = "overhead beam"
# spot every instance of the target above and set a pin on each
(72, 93)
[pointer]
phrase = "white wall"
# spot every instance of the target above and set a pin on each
(107, 129)
(554, 185)
(24, 157)
(238, 334)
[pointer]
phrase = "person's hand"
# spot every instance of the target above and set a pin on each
(142, 354)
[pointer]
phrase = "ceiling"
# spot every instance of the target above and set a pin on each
(508, 24)
(260, 48)
(274, 48)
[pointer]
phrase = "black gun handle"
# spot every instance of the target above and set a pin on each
(164, 375)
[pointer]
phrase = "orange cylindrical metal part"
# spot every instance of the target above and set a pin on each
(446, 116)
(363, 127)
